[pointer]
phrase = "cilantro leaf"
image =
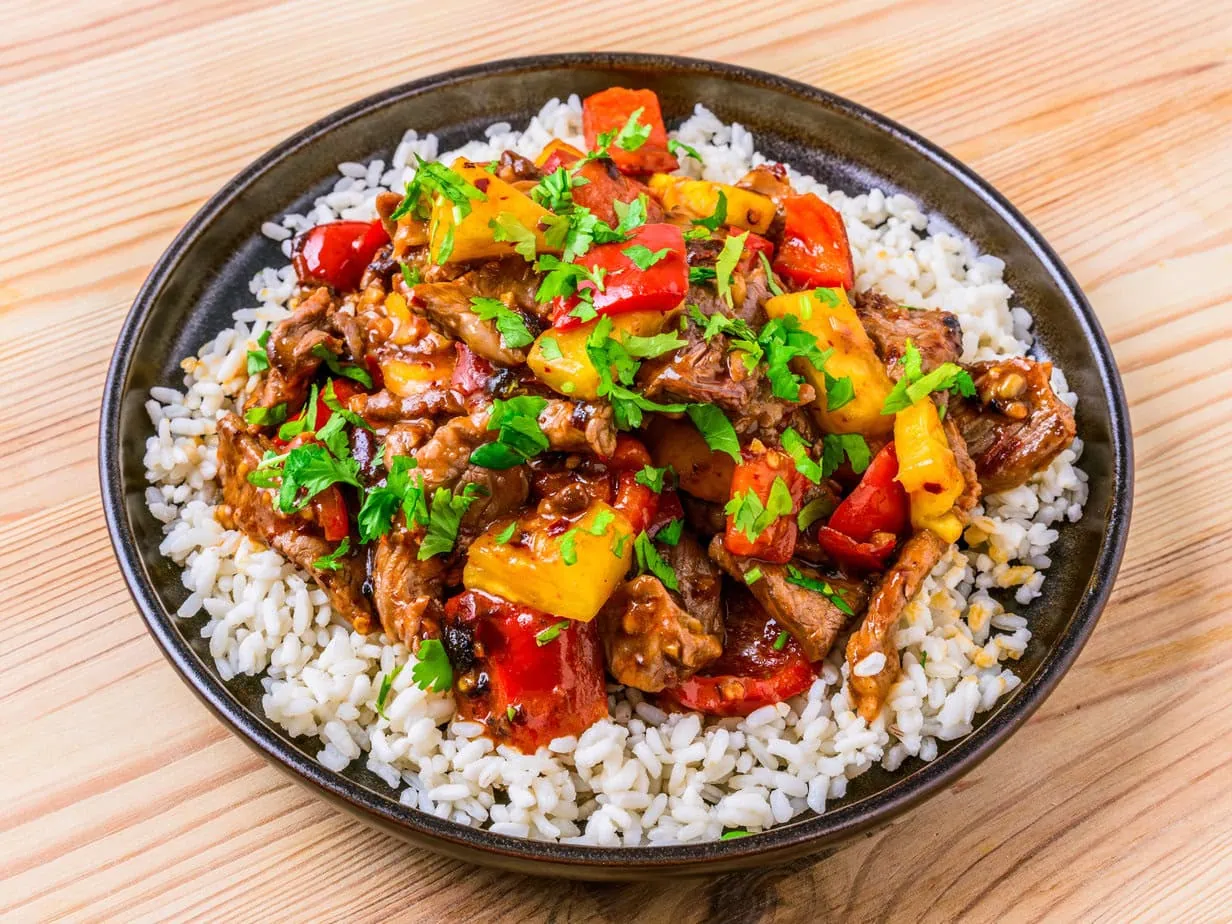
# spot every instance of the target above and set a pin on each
(653, 478)
(700, 274)
(445, 516)
(782, 340)
(732, 835)
(813, 511)
(266, 416)
(309, 470)
(795, 446)
(506, 534)
(549, 635)
(717, 218)
(633, 134)
(775, 288)
(303, 422)
(914, 385)
(650, 347)
(410, 275)
(671, 532)
(555, 191)
(800, 579)
(387, 683)
(837, 445)
(508, 227)
(258, 360)
(752, 576)
(433, 178)
(512, 326)
(780, 641)
(650, 561)
(643, 257)
(520, 436)
(432, 670)
(715, 429)
(568, 547)
(603, 519)
(753, 517)
(839, 392)
(725, 265)
(679, 147)
(549, 348)
(333, 561)
(346, 370)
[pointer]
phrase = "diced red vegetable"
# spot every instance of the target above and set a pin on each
(609, 110)
(751, 672)
(336, 254)
(631, 454)
(530, 679)
(814, 251)
(777, 542)
(470, 373)
(344, 391)
(331, 513)
(863, 530)
(604, 185)
(660, 287)
(753, 245)
(636, 501)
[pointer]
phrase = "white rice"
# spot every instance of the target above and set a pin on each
(640, 776)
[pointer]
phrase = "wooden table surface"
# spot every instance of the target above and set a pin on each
(1108, 123)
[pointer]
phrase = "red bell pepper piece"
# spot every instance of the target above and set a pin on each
(751, 672)
(609, 110)
(864, 528)
(753, 245)
(331, 513)
(526, 690)
(660, 287)
(814, 251)
(336, 254)
(470, 372)
(757, 473)
(635, 501)
(604, 185)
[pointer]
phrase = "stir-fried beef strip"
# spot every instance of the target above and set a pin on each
(702, 552)
(1016, 425)
(656, 638)
(936, 334)
(875, 636)
(294, 349)
(294, 535)
(812, 618)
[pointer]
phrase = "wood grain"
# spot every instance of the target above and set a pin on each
(1108, 123)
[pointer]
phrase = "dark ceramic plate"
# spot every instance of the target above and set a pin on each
(204, 275)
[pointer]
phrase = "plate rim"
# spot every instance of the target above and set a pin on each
(587, 861)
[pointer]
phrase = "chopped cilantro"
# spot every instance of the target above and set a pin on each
(653, 478)
(670, 534)
(437, 179)
(679, 147)
(753, 575)
(310, 469)
(618, 545)
(333, 561)
(346, 370)
(631, 136)
(717, 218)
(304, 422)
(715, 429)
(834, 446)
(568, 547)
(751, 516)
(725, 265)
(266, 416)
(775, 288)
(549, 348)
(410, 275)
(813, 511)
(649, 561)
(508, 227)
(506, 534)
(915, 385)
(643, 257)
(800, 579)
(700, 274)
(603, 519)
(399, 491)
(445, 516)
(782, 340)
(432, 670)
(795, 446)
(387, 683)
(548, 635)
(732, 835)
(258, 360)
(511, 325)
(780, 641)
